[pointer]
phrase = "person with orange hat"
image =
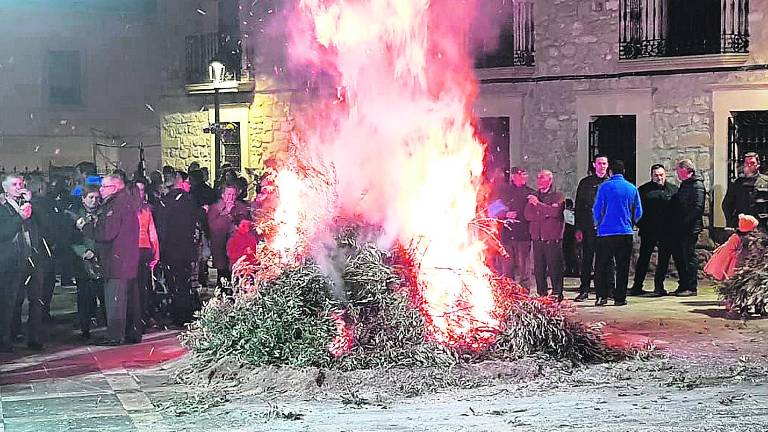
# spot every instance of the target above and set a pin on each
(725, 259)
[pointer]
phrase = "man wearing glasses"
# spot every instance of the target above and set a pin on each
(748, 194)
(116, 231)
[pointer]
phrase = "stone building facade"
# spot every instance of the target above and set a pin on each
(79, 83)
(680, 105)
(257, 106)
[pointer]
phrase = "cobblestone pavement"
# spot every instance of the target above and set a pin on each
(74, 387)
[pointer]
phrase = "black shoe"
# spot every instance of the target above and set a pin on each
(638, 292)
(34, 346)
(133, 340)
(654, 294)
(686, 293)
(581, 297)
(107, 342)
(601, 301)
(619, 302)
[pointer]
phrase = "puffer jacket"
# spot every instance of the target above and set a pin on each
(689, 205)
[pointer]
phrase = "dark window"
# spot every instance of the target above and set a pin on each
(747, 132)
(64, 76)
(658, 28)
(230, 145)
(495, 132)
(614, 136)
(514, 46)
(693, 27)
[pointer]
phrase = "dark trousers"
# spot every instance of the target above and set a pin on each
(616, 248)
(548, 261)
(519, 252)
(587, 257)
(147, 296)
(88, 290)
(647, 243)
(48, 284)
(688, 269)
(8, 293)
(29, 285)
(570, 258)
(123, 310)
(184, 300)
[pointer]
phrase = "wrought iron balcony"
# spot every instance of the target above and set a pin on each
(667, 28)
(202, 48)
(515, 47)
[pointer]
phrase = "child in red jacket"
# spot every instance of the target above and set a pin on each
(240, 240)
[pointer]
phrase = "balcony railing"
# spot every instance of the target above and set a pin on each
(666, 28)
(202, 48)
(515, 47)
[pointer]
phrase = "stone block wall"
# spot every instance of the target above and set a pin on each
(582, 36)
(681, 117)
(269, 128)
(574, 37)
(270, 125)
(183, 139)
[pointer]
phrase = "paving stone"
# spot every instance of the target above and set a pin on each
(63, 407)
(89, 384)
(80, 424)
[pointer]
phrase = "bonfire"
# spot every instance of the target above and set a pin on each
(375, 239)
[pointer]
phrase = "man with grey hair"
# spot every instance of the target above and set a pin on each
(688, 204)
(546, 223)
(19, 262)
(116, 232)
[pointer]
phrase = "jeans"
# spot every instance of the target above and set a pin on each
(587, 257)
(610, 248)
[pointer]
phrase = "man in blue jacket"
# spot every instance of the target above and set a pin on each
(617, 209)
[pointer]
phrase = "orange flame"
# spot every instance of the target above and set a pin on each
(344, 339)
(396, 148)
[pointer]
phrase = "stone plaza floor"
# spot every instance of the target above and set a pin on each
(71, 386)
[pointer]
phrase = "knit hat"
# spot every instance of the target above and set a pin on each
(747, 222)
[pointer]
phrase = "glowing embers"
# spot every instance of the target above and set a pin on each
(345, 335)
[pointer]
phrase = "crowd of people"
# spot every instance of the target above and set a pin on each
(137, 249)
(607, 209)
(120, 239)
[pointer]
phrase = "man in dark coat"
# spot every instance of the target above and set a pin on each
(655, 231)
(116, 231)
(48, 219)
(21, 262)
(586, 232)
(748, 194)
(202, 193)
(177, 219)
(515, 235)
(688, 203)
(544, 213)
